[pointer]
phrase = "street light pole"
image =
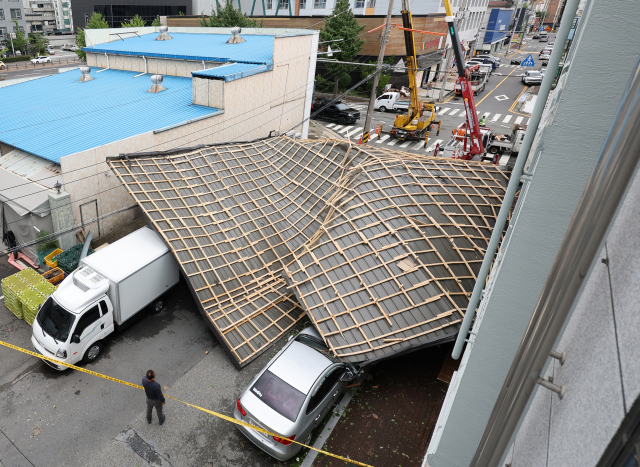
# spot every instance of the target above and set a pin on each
(376, 77)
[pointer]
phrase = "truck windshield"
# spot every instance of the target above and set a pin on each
(55, 320)
(342, 107)
(281, 397)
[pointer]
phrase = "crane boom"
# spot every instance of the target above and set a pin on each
(472, 127)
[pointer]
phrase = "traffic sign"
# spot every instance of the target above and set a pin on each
(527, 61)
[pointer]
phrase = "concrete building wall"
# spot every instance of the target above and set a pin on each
(602, 366)
(562, 161)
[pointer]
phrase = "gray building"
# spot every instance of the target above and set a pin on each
(593, 422)
(124, 10)
(11, 10)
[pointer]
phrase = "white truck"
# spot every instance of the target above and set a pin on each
(108, 289)
(391, 100)
(501, 143)
(478, 78)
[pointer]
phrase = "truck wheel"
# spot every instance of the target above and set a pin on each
(157, 306)
(93, 352)
(382, 108)
(493, 150)
(342, 120)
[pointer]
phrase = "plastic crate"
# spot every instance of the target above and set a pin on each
(55, 276)
(51, 259)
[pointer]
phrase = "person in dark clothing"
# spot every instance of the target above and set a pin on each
(154, 396)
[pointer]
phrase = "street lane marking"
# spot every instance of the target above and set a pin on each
(337, 127)
(453, 112)
(331, 125)
(405, 144)
(519, 120)
(419, 145)
(444, 111)
(382, 139)
(373, 135)
(349, 133)
(504, 160)
(392, 142)
(347, 128)
(496, 117)
(507, 119)
(489, 93)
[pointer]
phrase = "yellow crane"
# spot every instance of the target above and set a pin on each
(416, 123)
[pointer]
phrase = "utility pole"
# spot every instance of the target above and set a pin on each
(376, 77)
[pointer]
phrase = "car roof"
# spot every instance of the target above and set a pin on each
(300, 366)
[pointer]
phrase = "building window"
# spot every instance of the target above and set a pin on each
(66, 21)
(16, 13)
(3, 32)
(319, 4)
(284, 4)
(19, 28)
(269, 4)
(371, 3)
(303, 4)
(359, 4)
(1, 13)
(65, 5)
(65, 13)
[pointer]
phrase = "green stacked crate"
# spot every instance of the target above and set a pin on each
(11, 286)
(30, 276)
(31, 300)
(69, 259)
(44, 287)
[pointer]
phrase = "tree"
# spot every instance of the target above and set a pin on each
(384, 76)
(342, 25)
(135, 22)
(228, 17)
(38, 43)
(20, 42)
(156, 21)
(95, 22)
(542, 15)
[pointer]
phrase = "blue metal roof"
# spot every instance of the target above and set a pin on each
(56, 116)
(190, 46)
(232, 71)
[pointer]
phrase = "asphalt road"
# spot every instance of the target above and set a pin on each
(27, 70)
(503, 89)
(51, 418)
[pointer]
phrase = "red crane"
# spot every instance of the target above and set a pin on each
(470, 130)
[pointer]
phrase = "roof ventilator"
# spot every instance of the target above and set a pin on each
(236, 38)
(163, 34)
(84, 77)
(157, 84)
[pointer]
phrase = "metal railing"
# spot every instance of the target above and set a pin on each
(613, 172)
(28, 64)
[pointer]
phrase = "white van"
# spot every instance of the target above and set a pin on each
(50, 50)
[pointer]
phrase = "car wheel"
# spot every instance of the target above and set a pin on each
(342, 120)
(383, 108)
(93, 352)
(157, 306)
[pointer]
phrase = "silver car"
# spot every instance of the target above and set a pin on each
(292, 395)
(532, 77)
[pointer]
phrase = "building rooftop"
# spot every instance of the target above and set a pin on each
(193, 46)
(232, 71)
(56, 116)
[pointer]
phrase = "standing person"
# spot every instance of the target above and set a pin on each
(154, 396)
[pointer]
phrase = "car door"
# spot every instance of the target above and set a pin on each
(331, 112)
(87, 328)
(328, 390)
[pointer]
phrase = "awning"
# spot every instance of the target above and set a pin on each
(380, 248)
(23, 195)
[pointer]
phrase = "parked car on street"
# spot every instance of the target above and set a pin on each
(292, 394)
(71, 48)
(41, 59)
(50, 50)
(544, 56)
(536, 36)
(490, 57)
(532, 77)
(336, 112)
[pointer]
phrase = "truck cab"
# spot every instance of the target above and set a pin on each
(107, 290)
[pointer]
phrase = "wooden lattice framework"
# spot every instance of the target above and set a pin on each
(235, 215)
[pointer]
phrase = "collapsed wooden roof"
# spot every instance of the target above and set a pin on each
(380, 248)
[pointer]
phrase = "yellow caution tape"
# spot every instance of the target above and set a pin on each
(216, 414)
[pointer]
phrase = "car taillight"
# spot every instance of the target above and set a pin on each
(285, 441)
(240, 409)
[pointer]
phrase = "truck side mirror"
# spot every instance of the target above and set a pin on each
(75, 339)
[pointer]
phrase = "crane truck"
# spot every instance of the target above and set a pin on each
(417, 121)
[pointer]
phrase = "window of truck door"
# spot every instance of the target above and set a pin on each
(88, 323)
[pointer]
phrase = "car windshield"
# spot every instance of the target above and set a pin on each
(55, 320)
(284, 399)
(534, 74)
(342, 106)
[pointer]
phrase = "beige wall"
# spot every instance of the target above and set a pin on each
(154, 65)
(253, 107)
